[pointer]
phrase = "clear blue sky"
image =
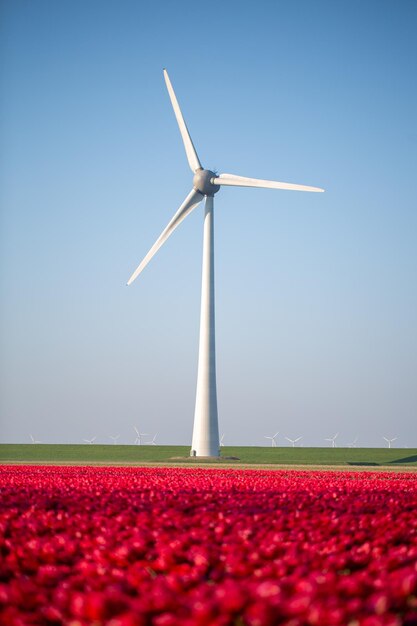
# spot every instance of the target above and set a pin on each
(316, 297)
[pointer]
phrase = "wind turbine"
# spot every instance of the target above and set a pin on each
(90, 441)
(273, 442)
(353, 443)
(206, 183)
(152, 442)
(221, 441)
(293, 441)
(332, 440)
(138, 440)
(390, 441)
(115, 438)
(33, 440)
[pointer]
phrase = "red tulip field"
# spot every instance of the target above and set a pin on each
(194, 547)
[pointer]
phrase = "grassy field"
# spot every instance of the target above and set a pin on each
(137, 455)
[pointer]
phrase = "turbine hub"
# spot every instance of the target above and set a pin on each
(202, 182)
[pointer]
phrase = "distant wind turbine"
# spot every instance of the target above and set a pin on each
(152, 442)
(353, 443)
(221, 440)
(90, 441)
(293, 441)
(206, 183)
(273, 442)
(138, 440)
(114, 438)
(390, 441)
(332, 440)
(33, 440)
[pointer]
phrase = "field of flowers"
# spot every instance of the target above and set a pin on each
(196, 547)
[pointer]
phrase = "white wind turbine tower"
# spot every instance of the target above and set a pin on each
(90, 441)
(138, 440)
(390, 441)
(273, 442)
(206, 184)
(33, 440)
(332, 440)
(221, 441)
(293, 441)
(114, 438)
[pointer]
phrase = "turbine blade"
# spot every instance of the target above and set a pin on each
(190, 151)
(191, 201)
(241, 181)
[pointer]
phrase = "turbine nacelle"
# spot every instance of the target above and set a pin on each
(202, 182)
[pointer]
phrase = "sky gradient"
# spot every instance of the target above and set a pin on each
(316, 294)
